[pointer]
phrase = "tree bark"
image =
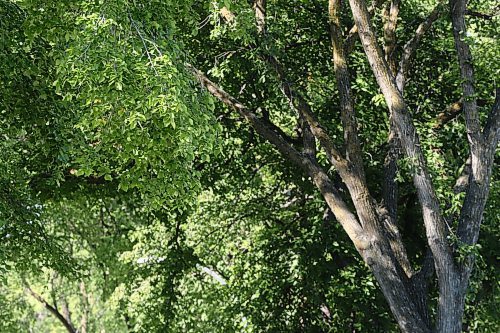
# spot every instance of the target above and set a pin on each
(379, 243)
(370, 243)
(448, 278)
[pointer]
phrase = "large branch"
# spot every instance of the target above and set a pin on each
(299, 104)
(464, 54)
(356, 182)
(318, 176)
(350, 170)
(373, 249)
(390, 187)
(390, 16)
(479, 169)
(406, 131)
(491, 132)
(352, 36)
(351, 140)
(482, 143)
(52, 309)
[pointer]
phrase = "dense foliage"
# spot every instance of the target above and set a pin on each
(133, 200)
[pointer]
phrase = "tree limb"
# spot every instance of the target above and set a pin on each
(355, 178)
(390, 16)
(491, 129)
(472, 123)
(52, 309)
(411, 46)
(353, 32)
(318, 176)
(260, 15)
(351, 140)
(435, 225)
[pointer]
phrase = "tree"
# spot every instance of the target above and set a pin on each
(112, 97)
(374, 232)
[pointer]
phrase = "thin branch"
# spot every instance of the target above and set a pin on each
(483, 16)
(299, 104)
(411, 46)
(86, 310)
(143, 43)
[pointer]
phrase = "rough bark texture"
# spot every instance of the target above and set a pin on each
(375, 233)
(482, 144)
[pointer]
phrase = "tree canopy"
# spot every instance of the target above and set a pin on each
(249, 166)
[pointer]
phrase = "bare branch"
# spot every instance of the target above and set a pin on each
(352, 36)
(483, 16)
(260, 15)
(372, 246)
(411, 46)
(491, 132)
(435, 226)
(451, 112)
(351, 140)
(298, 103)
(308, 140)
(462, 181)
(355, 178)
(478, 172)
(85, 305)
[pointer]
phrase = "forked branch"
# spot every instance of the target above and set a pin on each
(318, 176)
